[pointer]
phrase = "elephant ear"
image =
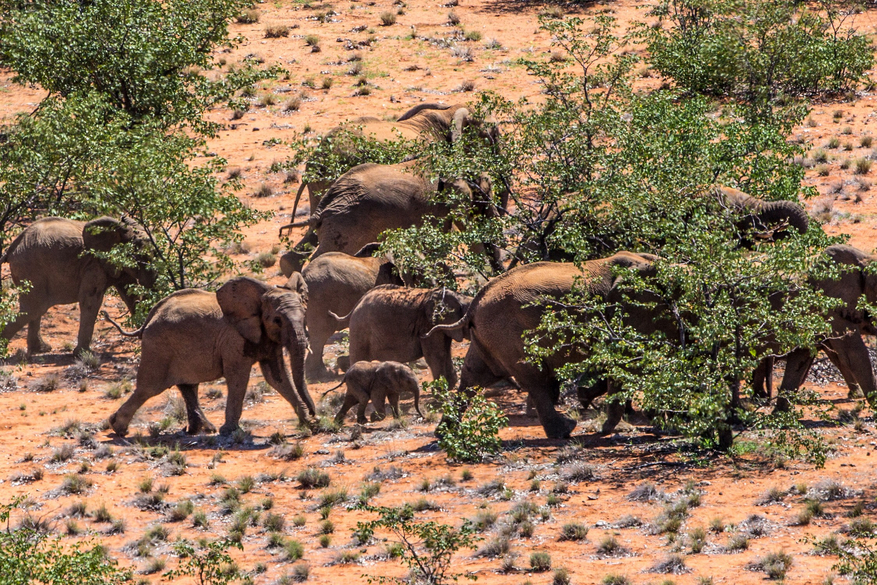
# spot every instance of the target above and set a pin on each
(241, 302)
(103, 233)
(368, 250)
(460, 118)
(297, 284)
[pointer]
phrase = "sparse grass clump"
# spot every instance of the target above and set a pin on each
(574, 531)
(75, 484)
(540, 561)
(276, 31)
(674, 564)
(313, 478)
(388, 19)
(250, 16)
(775, 565)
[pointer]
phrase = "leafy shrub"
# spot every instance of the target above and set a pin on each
(469, 430)
(758, 50)
(427, 547)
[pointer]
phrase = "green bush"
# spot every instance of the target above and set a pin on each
(29, 556)
(758, 50)
(469, 430)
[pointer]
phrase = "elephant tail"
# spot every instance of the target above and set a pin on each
(336, 386)
(455, 326)
(137, 333)
(341, 322)
(417, 404)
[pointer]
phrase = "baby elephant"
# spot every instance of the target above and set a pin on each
(375, 381)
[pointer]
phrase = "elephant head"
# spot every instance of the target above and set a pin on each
(769, 220)
(271, 316)
(441, 307)
(105, 233)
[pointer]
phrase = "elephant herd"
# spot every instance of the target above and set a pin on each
(194, 336)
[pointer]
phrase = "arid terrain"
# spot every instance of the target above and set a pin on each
(85, 482)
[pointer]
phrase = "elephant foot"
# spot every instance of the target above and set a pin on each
(227, 429)
(782, 405)
(43, 347)
(855, 393)
(562, 429)
(376, 417)
(117, 426)
(202, 425)
(78, 350)
(319, 375)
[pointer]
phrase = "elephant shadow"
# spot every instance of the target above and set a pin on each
(184, 442)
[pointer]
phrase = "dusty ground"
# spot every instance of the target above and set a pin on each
(403, 71)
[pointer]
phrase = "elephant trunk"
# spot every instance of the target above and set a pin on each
(296, 342)
(774, 212)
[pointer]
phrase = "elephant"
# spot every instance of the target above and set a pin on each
(372, 198)
(55, 256)
(389, 321)
(336, 281)
(430, 122)
(376, 381)
(768, 220)
(844, 345)
(512, 304)
(195, 336)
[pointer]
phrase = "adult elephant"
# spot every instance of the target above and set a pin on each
(768, 220)
(57, 257)
(336, 282)
(372, 198)
(512, 304)
(195, 336)
(844, 345)
(430, 122)
(389, 324)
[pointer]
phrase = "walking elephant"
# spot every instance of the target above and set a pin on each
(389, 323)
(55, 256)
(377, 381)
(430, 122)
(336, 281)
(513, 304)
(195, 336)
(370, 199)
(844, 346)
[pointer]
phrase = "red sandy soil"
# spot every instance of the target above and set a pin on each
(729, 489)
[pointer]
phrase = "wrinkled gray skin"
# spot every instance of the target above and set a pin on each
(195, 336)
(336, 282)
(768, 220)
(52, 255)
(430, 122)
(389, 321)
(845, 346)
(512, 304)
(377, 381)
(370, 199)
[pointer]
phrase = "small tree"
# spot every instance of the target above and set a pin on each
(208, 565)
(427, 547)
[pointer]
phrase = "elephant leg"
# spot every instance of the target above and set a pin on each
(276, 376)
(798, 364)
(437, 353)
(349, 401)
(315, 368)
(145, 390)
(30, 312)
(379, 399)
(197, 418)
(236, 379)
(855, 364)
(762, 379)
(587, 394)
(393, 398)
(614, 410)
(89, 307)
(539, 387)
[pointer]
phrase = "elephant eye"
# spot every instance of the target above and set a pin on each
(277, 321)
